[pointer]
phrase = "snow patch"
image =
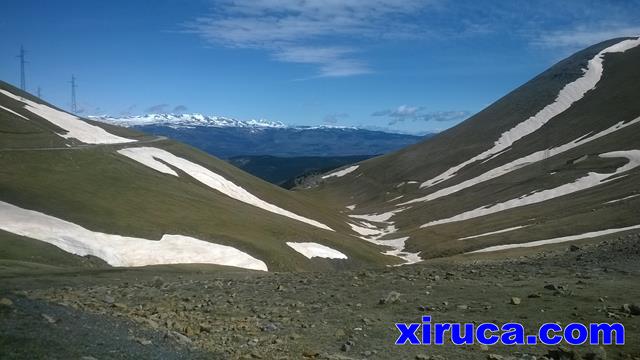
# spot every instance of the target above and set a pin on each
(311, 249)
(622, 199)
(571, 93)
(13, 112)
(351, 207)
(379, 218)
(75, 127)
(557, 240)
(398, 250)
(590, 180)
(341, 173)
(522, 162)
(119, 250)
(494, 232)
(365, 231)
(149, 156)
(373, 234)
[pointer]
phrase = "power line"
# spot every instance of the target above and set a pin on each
(74, 106)
(23, 82)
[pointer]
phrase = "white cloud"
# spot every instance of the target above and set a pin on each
(333, 35)
(584, 36)
(332, 61)
(306, 31)
(418, 113)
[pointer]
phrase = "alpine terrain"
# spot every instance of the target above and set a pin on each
(117, 243)
(262, 137)
(555, 160)
(269, 150)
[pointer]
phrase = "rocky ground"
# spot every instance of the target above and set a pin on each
(165, 313)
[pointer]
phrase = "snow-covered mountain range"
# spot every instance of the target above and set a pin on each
(228, 137)
(181, 121)
(186, 121)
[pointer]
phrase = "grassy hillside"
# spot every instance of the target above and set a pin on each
(382, 184)
(99, 189)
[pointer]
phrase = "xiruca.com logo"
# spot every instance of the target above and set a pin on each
(428, 333)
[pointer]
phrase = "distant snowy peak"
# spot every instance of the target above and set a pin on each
(179, 121)
(185, 121)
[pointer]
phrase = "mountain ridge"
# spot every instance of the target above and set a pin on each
(539, 164)
(190, 120)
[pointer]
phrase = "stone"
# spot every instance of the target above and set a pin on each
(391, 298)
(49, 319)
(177, 337)
(632, 309)
(6, 302)
(515, 301)
(142, 341)
(268, 327)
(157, 282)
(347, 346)
(562, 353)
(598, 354)
(310, 354)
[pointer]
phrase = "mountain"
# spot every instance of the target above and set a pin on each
(555, 160)
(226, 138)
(81, 192)
(181, 121)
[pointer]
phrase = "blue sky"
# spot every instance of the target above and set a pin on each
(403, 65)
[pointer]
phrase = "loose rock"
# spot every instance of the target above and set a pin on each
(6, 302)
(391, 298)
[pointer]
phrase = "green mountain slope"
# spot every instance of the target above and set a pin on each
(556, 160)
(532, 166)
(99, 189)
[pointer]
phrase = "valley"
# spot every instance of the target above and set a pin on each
(527, 211)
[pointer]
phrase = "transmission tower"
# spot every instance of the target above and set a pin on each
(23, 82)
(74, 106)
(39, 93)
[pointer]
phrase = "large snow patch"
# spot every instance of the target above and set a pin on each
(75, 127)
(311, 249)
(119, 250)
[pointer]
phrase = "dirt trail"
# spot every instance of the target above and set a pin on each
(90, 146)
